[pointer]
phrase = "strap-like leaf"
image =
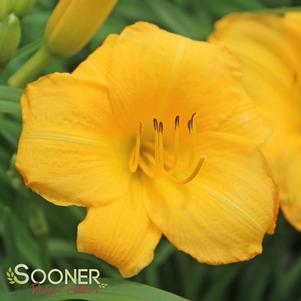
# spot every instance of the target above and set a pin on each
(116, 290)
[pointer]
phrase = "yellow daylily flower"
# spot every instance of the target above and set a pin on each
(155, 134)
(269, 49)
(65, 34)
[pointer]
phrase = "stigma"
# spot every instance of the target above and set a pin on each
(155, 162)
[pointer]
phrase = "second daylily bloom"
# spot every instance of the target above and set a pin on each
(269, 49)
(155, 134)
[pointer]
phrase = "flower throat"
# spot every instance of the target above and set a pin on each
(155, 162)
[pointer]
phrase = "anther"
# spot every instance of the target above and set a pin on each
(161, 127)
(191, 123)
(192, 120)
(156, 127)
(190, 126)
(177, 122)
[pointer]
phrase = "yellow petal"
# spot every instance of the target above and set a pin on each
(68, 150)
(224, 213)
(292, 25)
(243, 120)
(268, 64)
(292, 29)
(286, 162)
(98, 64)
(120, 232)
(247, 122)
(73, 23)
(269, 50)
(156, 74)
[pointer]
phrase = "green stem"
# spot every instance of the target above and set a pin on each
(278, 10)
(31, 69)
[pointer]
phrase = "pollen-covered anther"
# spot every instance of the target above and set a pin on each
(177, 122)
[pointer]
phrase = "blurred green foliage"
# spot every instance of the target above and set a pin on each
(43, 235)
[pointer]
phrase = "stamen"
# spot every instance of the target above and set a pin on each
(192, 120)
(155, 121)
(161, 148)
(191, 123)
(190, 177)
(156, 127)
(177, 122)
(145, 167)
(190, 126)
(176, 145)
(135, 156)
(161, 127)
(193, 133)
(162, 163)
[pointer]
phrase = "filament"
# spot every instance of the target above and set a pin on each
(176, 144)
(135, 156)
(193, 138)
(157, 154)
(146, 168)
(191, 176)
(161, 148)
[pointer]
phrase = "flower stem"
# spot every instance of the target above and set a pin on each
(31, 69)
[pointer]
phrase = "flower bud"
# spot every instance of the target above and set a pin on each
(21, 7)
(10, 34)
(70, 27)
(5, 8)
(73, 23)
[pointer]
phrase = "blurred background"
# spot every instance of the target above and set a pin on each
(42, 235)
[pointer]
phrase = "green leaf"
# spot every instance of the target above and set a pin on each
(10, 130)
(9, 107)
(116, 290)
(165, 250)
(10, 94)
(176, 20)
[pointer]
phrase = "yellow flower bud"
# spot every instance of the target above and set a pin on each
(73, 23)
(5, 8)
(21, 7)
(10, 34)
